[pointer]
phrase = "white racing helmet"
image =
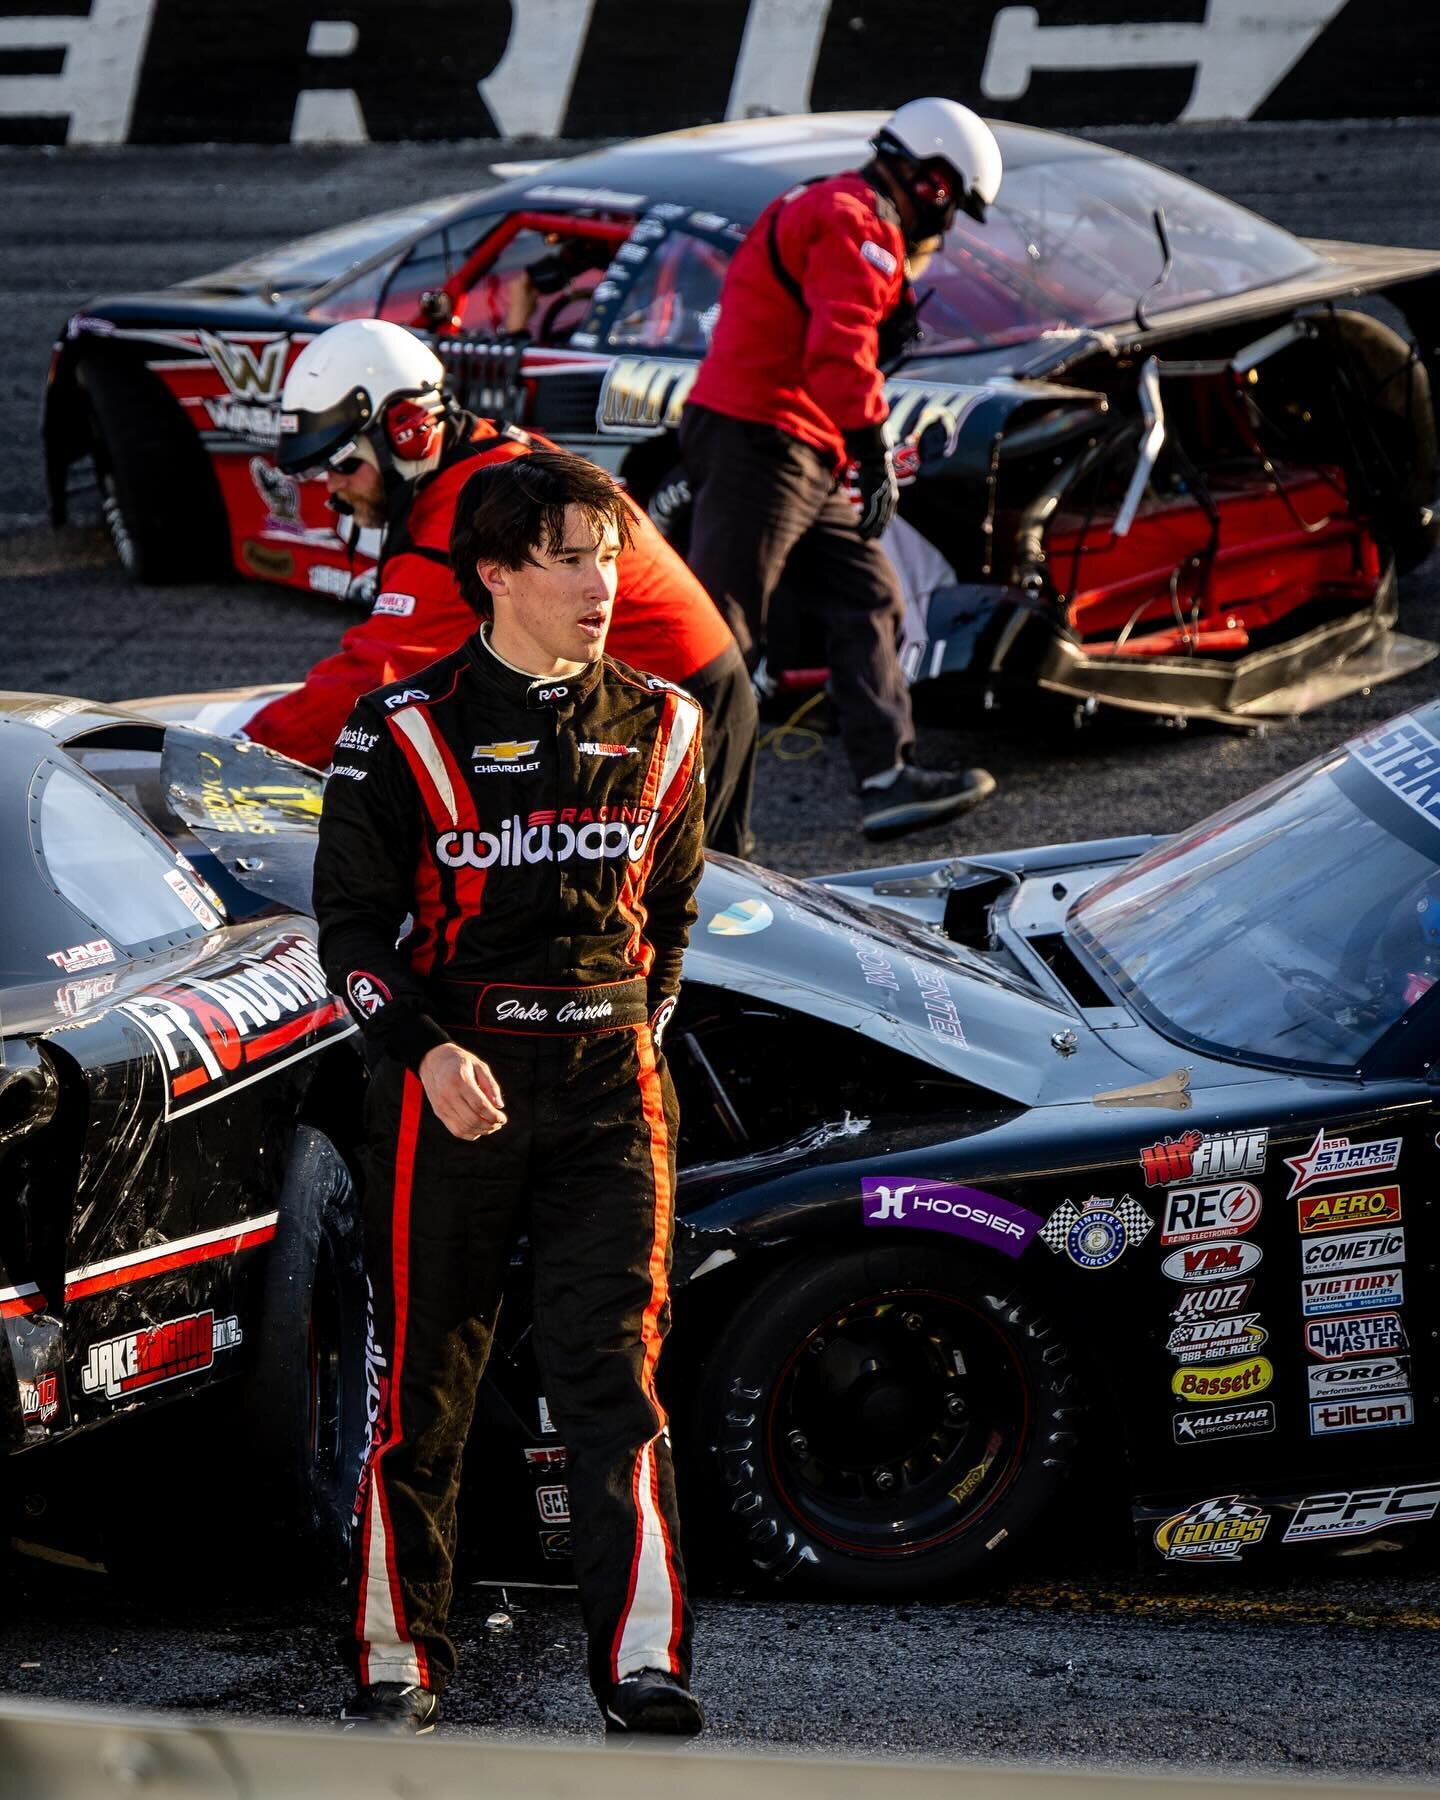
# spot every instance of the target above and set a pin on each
(363, 379)
(945, 156)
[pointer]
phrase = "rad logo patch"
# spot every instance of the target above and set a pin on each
(1342, 1212)
(1212, 1531)
(221, 1031)
(140, 1359)
(941, 1206)
(1223, 1210)
(1337, 1159)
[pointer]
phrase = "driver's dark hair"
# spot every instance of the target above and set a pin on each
(508, 511)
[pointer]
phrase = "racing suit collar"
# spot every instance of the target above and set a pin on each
(535, 692)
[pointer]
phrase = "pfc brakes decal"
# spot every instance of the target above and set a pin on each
(239, 1021)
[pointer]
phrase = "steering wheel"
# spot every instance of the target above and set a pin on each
(1335, 1012)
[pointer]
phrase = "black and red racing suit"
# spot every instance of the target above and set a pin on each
(545, 838)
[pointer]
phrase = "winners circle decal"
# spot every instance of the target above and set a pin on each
(239, 1022)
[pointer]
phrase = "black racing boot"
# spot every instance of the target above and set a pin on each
(653, 1701)
(920, 797)
(392, 1707)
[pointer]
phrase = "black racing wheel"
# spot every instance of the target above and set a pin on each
(884, 1420)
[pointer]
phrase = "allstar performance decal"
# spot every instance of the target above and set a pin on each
(239, 1022)
(122, 1365)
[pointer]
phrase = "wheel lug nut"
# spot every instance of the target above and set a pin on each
(816, 1345)
(798, 1442)
(884, 1480)
(955, 1406)
(913, 1322)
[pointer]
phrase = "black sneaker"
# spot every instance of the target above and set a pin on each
(920, 797)
(393, 1707)
(653, 1701)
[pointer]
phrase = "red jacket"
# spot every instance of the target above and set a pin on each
(809, 369)
(664, 622)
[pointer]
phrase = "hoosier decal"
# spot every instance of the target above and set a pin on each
(140, 1359)
(219, 1032)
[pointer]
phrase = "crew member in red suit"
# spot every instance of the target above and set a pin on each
(791, 394)
(369, 411)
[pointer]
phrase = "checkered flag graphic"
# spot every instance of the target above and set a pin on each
(1216, 1512)
(1056, 1228)
(1137, 1222)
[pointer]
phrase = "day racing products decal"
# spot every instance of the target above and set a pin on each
(942, 1206)
(222, 1031)
(1097, 1234)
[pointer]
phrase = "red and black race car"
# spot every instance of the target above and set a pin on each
(1156, 458)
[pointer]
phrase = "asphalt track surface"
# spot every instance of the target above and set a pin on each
(1081, 1660)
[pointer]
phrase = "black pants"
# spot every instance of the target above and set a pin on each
(586, 1164)
(732, 722)
(766, 504)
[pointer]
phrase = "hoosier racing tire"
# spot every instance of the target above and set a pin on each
(884, 1422)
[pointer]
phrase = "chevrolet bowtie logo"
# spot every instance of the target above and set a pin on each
(509, 752)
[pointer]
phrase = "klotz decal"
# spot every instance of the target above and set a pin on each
(942, 1206)
(1212, 1531)
(1337, 1159)
(1097, 1234)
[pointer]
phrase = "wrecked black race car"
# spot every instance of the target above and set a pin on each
(1155, 458)
(1104, 1163)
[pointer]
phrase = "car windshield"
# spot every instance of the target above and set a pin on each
(1297, 926)
(1072, 243)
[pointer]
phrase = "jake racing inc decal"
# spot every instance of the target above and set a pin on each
(1098, 1233)
(240, 1021)
(1212, 1531)
(1337, 1159)
(123, 1365)
(942, 1206)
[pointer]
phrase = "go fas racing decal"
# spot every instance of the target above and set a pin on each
(222, 1031)
(123, 1365)
(1212, 1531)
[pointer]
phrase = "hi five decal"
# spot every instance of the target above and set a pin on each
(239, 1022)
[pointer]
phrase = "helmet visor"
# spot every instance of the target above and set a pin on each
(309, 440)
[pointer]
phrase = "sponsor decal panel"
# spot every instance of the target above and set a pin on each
(741, 919)
(942, 1206)
(40, 1398)
(1195, 1157)
(1327, 1416)
(1224, 1422)
(93, 955)
(1337, 1159)
(357, 741)
(552, 1457)
(1321, 1295)
(1211, 1301)
(191, 900)
(553, 1504)
(1212, 1530)
(1223, 1210)
(1359, 1249)
(394, 606)
(1343, 1212)
(591, 833)
(1368, 1509)
(367, 993)
(1226, 1381)
(506, 758)
(1212, 1262)
(1098, 1233)
(1372, 1334)
(140, 1359)
(1211, 1340)
(239, 1021)
(1377, 1375)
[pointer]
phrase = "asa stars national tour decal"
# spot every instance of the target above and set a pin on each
(1337, 1159)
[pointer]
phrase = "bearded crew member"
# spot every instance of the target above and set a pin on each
(790, 394)
(371, 416)
(536, 810)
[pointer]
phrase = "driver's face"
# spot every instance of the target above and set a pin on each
(363, 491)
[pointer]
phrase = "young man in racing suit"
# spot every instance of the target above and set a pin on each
(790, 394)
(536, 811)
(402, 467)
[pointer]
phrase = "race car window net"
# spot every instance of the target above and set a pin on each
(1293, 928)
(105, 863)
(1072, 244)
(674, 302)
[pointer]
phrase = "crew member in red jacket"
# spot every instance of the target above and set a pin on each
(791, 393)
(367, 406)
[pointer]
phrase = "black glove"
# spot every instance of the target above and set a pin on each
(875, 484)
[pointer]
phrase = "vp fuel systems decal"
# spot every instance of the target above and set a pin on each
(233, 1026)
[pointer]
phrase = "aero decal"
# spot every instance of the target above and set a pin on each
(387, 1652)
(160, 1259)
(647, 1634)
